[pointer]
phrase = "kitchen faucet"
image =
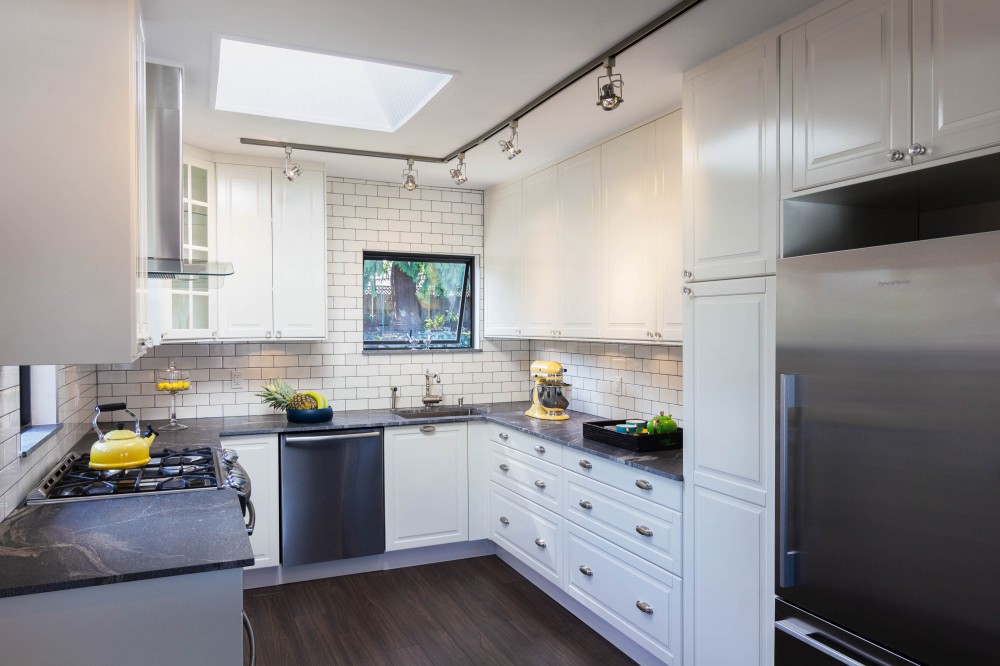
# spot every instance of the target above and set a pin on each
(429, 399)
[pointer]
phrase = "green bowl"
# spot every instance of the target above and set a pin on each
(310, 415)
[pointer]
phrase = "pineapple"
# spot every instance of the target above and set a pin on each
(280, 395)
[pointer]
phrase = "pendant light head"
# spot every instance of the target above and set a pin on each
(409, 177)
(458, 173)
(509, 146)
(292, 171)
(609, 88)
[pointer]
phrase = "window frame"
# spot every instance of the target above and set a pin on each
(470, 300)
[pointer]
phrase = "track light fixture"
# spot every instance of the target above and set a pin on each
(509, 146)
(292, 171)
(609, 88)
(409, 177)
(458, 173)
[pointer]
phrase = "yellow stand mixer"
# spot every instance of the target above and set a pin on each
(547, 399)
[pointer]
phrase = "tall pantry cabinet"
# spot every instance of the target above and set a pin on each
(731, 222)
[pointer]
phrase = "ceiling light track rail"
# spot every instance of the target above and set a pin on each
(599, 62)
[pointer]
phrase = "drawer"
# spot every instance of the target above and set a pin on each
(532, 479)
(651, 531)
(640, 483)
(637, 598)
(536, 447)
(526, 531)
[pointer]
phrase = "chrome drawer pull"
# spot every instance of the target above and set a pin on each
(504, 520)
(504, 468)
(540, 542)
(586, 464)
(643, 530)
(586, 571)
(643, 484)
(427, 429)
(504, 436)
(539, 484)
(584, 504)
(539, 449)
(644, 607)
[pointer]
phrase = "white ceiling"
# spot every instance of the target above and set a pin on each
(503, 54)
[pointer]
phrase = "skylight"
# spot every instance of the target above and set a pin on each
(320, 88)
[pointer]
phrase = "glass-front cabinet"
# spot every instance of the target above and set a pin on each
(190, 308)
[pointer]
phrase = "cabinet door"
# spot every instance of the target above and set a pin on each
(258, 454)
(426, 485)
(729, 616)
(730, 167)
(299, 252)
(628, 287)
(542, 275)
(578, 257)
(729, 386)
(851, 92)
(956, 84)
(666, 244)
(244, 227)
(503, 261)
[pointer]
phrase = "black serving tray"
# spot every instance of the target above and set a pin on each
(600, 431)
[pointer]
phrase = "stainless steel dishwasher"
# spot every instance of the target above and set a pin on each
(332, 496)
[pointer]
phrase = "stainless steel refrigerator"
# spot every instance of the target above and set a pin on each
(888, 535)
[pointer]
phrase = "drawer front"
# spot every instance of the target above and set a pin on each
(532, 479)
(527, 531)
(536, 447)
(640, 600)
(651, 531)
(637, 482)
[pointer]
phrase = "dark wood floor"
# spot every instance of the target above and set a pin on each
(477, 611)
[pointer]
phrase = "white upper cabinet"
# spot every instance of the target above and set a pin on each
(542, 281)
(72, 255)
(628, 287)
(667, 250)
(956, 81)
(730, 167)
(579, 260)
(850, 91)
(503, 261)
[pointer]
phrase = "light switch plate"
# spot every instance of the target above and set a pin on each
(237, 380)
(616, 385)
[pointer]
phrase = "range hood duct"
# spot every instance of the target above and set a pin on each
(164, 94)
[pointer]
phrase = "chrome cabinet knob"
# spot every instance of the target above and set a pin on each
(504, 468)
(540, 542)
(277, 334)
(504, 520)
(916, 150)
(517, 331)
(539, 484)
(659, 336)
(643, 484)
(586, 464)
(539, 449)
(584, 504)
(267, 334)
(643, 530)
(687, 291)
(649, 334)
(586, 571)
(687, 275)
(644, 607)
(428, 429)
(215, 335)
(896, 155)
(504, 436)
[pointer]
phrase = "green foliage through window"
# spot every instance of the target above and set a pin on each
(417, 301)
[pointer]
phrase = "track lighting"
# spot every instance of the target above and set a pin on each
(609, 93)
(292, 171)
(409, 177)
(458, 173)
(509, 146)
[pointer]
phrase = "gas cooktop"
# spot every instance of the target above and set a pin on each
(168, 470)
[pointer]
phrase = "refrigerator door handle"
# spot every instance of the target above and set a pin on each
(803, 632)
(787, 557)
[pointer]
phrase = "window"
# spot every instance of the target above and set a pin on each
(414, 301)
(39, 405)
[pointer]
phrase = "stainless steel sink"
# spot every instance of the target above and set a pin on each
(431, 413)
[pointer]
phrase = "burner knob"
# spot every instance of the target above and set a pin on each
(237, 483)
(230, 456)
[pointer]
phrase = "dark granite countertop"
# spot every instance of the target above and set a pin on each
(511, 415)
(48, 547)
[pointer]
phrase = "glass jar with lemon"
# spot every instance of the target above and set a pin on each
(173, 381)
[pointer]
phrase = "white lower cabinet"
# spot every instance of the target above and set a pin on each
(527, 531)
(426, 485)
(636, 597)
(258, 454)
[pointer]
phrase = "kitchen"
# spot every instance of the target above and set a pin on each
(634, 246)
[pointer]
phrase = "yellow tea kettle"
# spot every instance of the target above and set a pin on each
(120, 448)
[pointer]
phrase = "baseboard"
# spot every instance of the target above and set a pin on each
(635, 651)
(253, 578)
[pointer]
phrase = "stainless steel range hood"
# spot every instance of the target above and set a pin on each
(164, 93)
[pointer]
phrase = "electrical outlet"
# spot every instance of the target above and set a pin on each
(237, 380)
(616, 385)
